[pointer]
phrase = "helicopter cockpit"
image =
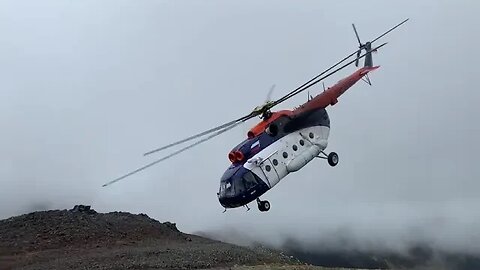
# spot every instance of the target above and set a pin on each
(239, 186)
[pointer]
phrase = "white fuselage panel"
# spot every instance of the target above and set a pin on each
(288, 154)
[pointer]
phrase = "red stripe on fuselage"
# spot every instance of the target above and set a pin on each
(328, 97)
(260, 127)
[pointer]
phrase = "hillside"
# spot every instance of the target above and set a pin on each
(84, 239)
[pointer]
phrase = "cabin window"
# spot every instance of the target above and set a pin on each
(302, 142)
(268, 168)
(310, 135)
(295, 147)
(275, 162)
(285, 154)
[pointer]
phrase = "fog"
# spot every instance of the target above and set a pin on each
(88, 86)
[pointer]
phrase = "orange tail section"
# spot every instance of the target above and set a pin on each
(330, 95)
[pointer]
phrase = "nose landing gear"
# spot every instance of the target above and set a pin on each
(263, 206)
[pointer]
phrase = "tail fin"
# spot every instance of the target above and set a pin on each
(368, 64)
(368, 57)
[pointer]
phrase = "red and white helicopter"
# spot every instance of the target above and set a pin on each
(284, 141)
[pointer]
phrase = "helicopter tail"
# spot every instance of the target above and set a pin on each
(367, 47)
(368, 64)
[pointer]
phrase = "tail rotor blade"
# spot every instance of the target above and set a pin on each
(356, 34)
(358, 59)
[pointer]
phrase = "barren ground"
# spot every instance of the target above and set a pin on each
(85, 239)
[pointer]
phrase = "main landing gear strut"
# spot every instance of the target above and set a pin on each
(263, 206)
(332, 158)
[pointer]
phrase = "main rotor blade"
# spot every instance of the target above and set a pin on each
(269, 94)
(302, 87)
(356, 34)
(242, 119)
(338, 69)
(278, 101)
(287, 96)
(173, 154)
(391, 29)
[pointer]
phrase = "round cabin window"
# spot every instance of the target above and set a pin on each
(268, 168)
(285, 154)
(310, 135)
(275, 162)
(302, 142)
(295, 147)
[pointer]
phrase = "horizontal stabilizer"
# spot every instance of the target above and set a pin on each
(366, 70)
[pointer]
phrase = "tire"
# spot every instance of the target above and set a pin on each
(332, 159)
(265, 206)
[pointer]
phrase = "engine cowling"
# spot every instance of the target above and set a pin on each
(272, 130)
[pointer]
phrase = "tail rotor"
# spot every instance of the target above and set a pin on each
(367, 47)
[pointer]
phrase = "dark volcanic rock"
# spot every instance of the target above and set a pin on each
(81, 238)
(78, 228)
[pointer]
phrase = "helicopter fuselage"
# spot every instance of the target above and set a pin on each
(282, 144)
(284, 141)
(269, 157)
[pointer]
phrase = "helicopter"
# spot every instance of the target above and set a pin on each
(283, 141)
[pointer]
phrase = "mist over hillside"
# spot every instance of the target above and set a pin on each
(339, 251)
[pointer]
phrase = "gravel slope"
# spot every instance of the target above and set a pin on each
(84, 239)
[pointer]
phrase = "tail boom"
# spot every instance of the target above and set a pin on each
(330, 95)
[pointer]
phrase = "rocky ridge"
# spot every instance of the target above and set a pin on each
(81, 238)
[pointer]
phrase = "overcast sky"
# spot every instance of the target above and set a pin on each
(87, 86)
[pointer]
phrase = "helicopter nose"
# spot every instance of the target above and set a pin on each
(228, 201)
(231, 200)
(239, 187)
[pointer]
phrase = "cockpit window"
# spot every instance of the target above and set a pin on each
(249, 180)
(237, 183)
(230, 172)
(246, 182)
(226, 188)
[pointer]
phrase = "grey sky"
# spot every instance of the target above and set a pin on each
(88, 86)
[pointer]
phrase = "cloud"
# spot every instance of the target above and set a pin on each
(87, 87)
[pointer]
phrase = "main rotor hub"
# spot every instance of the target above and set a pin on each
(263, 108)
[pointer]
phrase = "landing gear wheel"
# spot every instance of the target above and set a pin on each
(266, 205)
(332, 159)
(263, 206)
